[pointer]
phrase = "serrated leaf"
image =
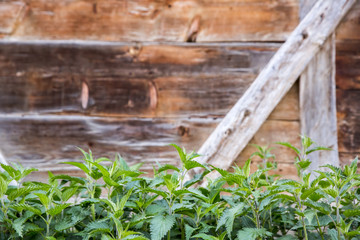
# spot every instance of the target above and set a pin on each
(190, 164)
(221, 171)
(79, 165)
(156, 191)
(308, 192)
(286, 144)
(332, 192)
(189, 231)
(168, 167)
(318, 149)
(253, 233)
(160, 225)
(304, 163)
(58, 209)
(23, 206)
(205, 236)
(228, 217)
(181, 153)
(352, 212)
(18, 223)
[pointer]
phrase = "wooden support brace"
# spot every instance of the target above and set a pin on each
(318, 100)
(252, 109)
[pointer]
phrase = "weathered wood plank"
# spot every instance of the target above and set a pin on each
(349, 28)
(248, 114)
(11, 14)
(348, 65)
(123, 79)
(270, 132)
(150, 20)
(42, 141)
(318, 100)
(348, 120)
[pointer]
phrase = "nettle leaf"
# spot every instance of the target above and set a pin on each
(58, 209)
(332, 192)
(64, 224)
(18, 224)
(23, 206)
(190, 164)
(352, 212)
(101, 225)
(205, 236)
(79, 165)
(168, 167)
(221, 171)
(325, 220)
(160, 225)
(308, 192)
(286, 144)
(189, 231)
(228, 217)
(181, 153)
(304, 163)
(253, 233)
(318, 149)
(320, 206)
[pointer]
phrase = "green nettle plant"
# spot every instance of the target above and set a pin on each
(116, 201)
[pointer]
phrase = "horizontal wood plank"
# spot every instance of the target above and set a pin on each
(348, 108)
(150, 20)
(349, 28)
(348, 64)
(45, 141)
(272, 131)
(127, 79)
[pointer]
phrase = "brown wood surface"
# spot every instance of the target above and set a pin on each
(348, 107)
(248, 114)
(119, 79)
(44, 141)
(151, 20)
(349, 28)
(348, 64)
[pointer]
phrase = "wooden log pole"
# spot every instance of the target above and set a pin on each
(241, 123)
(318, 100)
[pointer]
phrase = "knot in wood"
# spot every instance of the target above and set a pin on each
(228, 132)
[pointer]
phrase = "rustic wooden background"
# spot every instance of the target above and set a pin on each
(133, 76)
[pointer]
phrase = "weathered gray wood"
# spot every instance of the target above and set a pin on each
(318, 105)
(318, 100)
(245, 118)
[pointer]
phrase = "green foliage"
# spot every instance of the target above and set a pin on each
(114, 201)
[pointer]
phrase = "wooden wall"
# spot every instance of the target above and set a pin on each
(134, 76)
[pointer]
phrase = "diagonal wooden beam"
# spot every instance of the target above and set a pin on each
(252, 109)
(318, 100)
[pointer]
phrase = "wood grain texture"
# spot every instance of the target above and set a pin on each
(43, 141)
(318, 105)
(248, 114)
(160, 20)
(11, 14)
(349, 28)
(272, 131)
(123, 79)
(348, 120)
(348, 65)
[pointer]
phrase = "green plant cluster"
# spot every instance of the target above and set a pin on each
(115, 201)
